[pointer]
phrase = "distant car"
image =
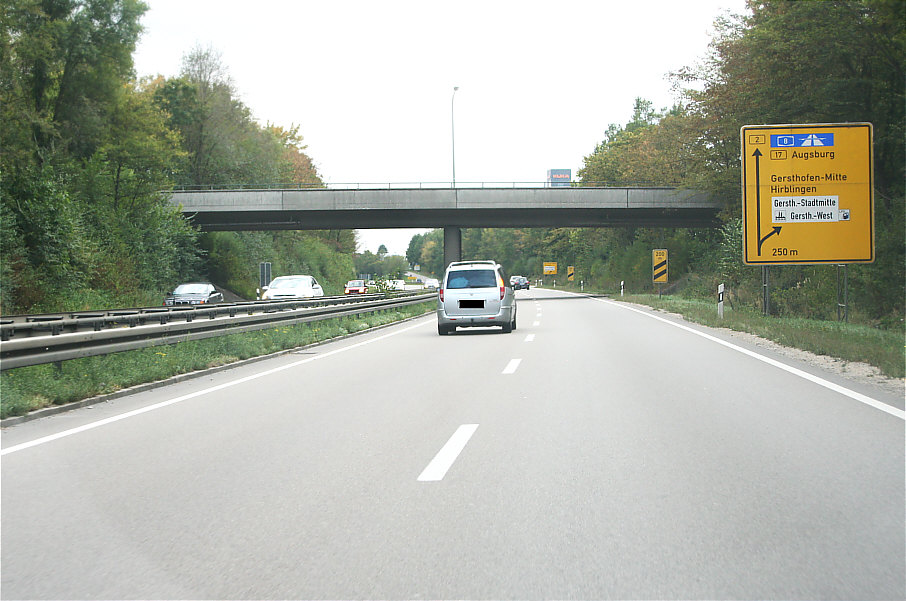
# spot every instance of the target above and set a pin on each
(195, 293)
(397, 284)
(521, 282)
(355, 287)
(474, 294)
(288, 287)
(432, 283)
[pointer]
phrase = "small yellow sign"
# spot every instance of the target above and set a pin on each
(570, 273)
(807, 194)
(550, 269)
(659, 265)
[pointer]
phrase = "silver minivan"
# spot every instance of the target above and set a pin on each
(475, 294)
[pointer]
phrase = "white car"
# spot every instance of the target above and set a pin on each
(292, 286)
(397, 285)
(432, 283)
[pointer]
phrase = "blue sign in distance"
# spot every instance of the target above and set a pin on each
(798, 140)
(557, 178)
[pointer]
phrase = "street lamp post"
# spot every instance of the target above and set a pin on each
(453, 132)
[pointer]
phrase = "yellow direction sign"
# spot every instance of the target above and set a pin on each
(550, 268)
(807, 194)
(659, 265)
(570, 273)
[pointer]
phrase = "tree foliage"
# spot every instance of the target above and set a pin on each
(87, 154)
(381, 265)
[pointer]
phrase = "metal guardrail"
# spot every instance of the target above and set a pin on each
(34, 340)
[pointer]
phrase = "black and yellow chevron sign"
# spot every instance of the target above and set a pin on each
(570, 273)
(659, 265)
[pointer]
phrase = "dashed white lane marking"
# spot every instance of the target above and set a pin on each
(530, 338)
(536, 323)
(444, 459)
(161, 405)
(512, 366)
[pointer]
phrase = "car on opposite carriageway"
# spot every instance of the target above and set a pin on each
(194, 293)
(356, 287)
(288, 287)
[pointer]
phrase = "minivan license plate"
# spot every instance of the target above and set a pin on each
(471, 304)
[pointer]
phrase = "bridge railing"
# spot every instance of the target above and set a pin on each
(418, 185)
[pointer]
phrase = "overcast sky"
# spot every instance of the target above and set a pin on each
(370, 83)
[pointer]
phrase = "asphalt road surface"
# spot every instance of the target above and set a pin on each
(599, 451)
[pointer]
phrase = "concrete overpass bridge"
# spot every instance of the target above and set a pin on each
(379, 206)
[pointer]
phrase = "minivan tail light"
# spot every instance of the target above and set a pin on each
(502, 292)
(440, 291)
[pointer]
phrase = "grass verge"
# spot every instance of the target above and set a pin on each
(858, 343)
(29, 388)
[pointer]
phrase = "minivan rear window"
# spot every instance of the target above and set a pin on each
(472, 278)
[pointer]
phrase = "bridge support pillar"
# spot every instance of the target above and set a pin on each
(452, 245)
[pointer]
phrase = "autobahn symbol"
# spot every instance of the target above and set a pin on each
(659, 265)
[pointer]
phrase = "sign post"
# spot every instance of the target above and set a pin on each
(264, 276)
(842, 306)
(807, 194)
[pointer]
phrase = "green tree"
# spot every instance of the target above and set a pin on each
(774, 66)
(69, 59)
(432, 254)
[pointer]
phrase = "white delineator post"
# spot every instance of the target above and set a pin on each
(720, 301)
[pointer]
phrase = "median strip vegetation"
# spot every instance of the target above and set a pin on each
(30, 388)
(846, 341)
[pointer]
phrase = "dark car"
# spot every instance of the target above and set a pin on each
(196, 293)
(519, 282)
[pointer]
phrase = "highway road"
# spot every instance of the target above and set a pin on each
(599, 451)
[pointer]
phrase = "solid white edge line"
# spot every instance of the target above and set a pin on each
(788, 368)
(161, 405)
(512, 366)
(448, 454)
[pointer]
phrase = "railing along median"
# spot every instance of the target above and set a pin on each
(34, 340)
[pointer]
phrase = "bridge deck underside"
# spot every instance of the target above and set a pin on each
(239, 220)
(426, 208)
